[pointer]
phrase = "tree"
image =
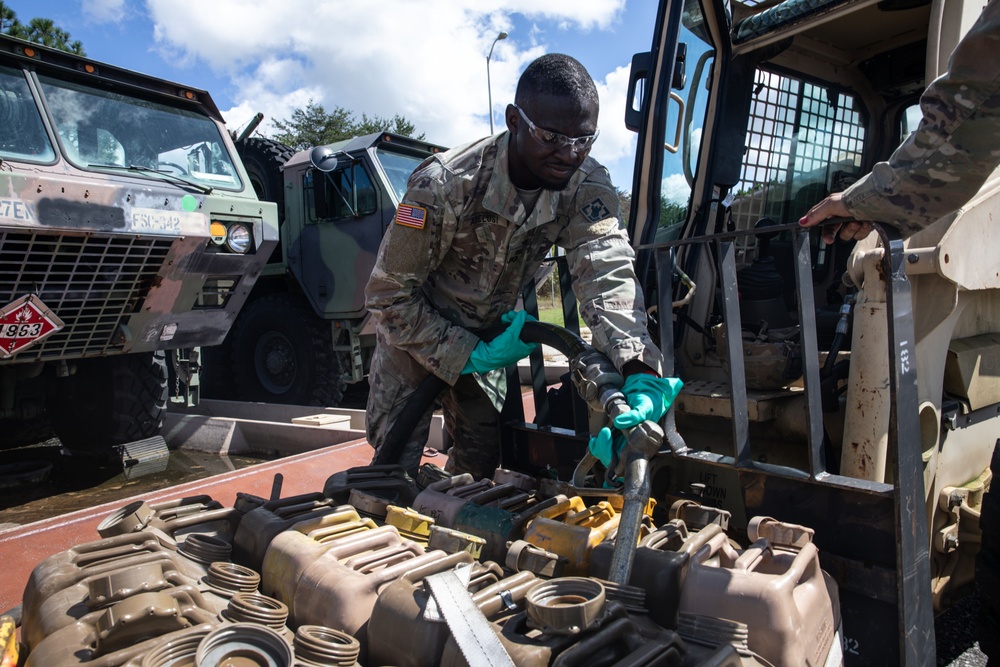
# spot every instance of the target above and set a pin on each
(625, 204)
(315, 126)
(397, 125)
(7, 18)
(672, 213)
(39, 30)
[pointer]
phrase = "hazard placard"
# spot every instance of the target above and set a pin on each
(24, 322)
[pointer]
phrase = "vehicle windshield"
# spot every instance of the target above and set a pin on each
(22, 134)
(100, 128)
(398, 167)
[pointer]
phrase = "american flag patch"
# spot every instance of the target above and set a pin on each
(411, 216)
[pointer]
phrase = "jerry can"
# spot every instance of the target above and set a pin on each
(294, 549)
(369, 505)
(495, 512)
(259, 526)
(788, 605)
(113, 636)
(400, 635)
(442, 500)
(571, 529)
(516, 479)
(367, 551)
(385, 481)
(660, 566)
(547, 618)
(58, 586)
(412, 525)
(340, 588)
(451, 541)
(107, 587)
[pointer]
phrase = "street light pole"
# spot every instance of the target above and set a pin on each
(489, 88)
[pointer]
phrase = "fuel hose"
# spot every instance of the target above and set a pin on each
(543, 333)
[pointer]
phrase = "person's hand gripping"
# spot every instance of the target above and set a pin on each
(649, 397)
(505, 349)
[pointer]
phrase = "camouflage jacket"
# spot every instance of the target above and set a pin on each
(462, 264)
(954, 149)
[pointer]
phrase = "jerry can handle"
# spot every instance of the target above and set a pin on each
(561, 508)
(753, 556)
(694, 544)
(805, 566)
(423, 566)
(443, 485)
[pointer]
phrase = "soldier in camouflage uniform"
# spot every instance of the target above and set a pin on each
(475, 224)
(946, 160)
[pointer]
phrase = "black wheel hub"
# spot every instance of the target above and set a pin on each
(274, 362)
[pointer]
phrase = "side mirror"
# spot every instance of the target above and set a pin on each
(323, 158)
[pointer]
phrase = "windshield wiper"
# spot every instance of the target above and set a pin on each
(173, 178)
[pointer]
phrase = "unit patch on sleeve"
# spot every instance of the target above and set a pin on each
(595, 210)
(411, 216)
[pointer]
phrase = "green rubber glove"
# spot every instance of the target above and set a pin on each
(504, 350)
(604, 443)
(649, 397)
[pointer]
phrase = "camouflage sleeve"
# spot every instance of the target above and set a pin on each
(955, 147)
(601, 262)
(408, 254)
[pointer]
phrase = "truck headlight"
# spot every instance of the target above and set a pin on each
(239, 239)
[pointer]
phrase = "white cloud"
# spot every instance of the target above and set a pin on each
(424, 60)
(615, 148)
(676, 189)
(616, 141)
(104, 11)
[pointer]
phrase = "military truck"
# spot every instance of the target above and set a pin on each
(129, 235)
(304, 334)
(846, 387)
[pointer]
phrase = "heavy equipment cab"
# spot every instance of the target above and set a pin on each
(850, 388)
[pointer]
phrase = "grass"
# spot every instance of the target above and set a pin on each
(554, 316)
(550, 302)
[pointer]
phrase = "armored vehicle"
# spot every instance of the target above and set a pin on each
(129, 235)
(305, 333)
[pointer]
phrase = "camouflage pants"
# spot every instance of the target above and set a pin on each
(470, 418)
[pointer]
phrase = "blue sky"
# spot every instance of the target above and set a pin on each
(423, 59)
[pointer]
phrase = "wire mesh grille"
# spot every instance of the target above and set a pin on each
(803, 141)
(92, 283)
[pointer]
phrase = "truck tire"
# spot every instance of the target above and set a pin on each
(21, 432)
(263, 159)
(282, 353)
(111, 401)
(988, 567)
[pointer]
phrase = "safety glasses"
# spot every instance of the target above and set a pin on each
(554, 140)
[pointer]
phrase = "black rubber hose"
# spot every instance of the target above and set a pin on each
(14, 613)
(420, 401)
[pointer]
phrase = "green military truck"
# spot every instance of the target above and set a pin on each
(129, 235)
(304, 334)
